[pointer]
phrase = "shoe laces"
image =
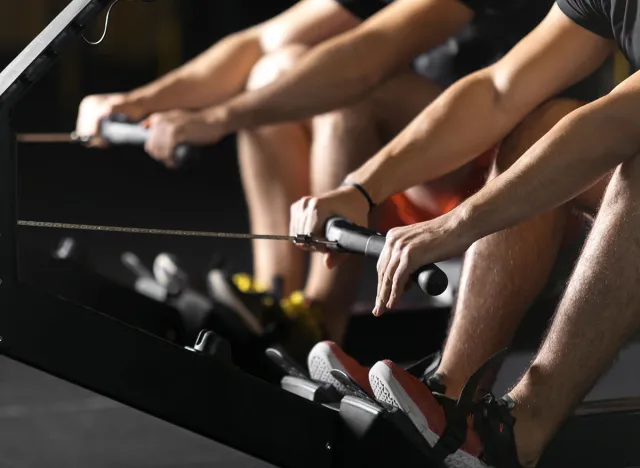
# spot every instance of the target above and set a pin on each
(493, 422)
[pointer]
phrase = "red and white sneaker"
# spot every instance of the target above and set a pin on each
(327, 356)
(395, 386)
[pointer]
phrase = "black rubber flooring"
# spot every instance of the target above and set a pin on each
(48, 423)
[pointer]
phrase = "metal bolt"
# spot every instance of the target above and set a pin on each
(328, 446)
(0, 280)
(0, 338)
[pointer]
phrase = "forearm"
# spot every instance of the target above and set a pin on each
(214, 76)
(574, 155)
(332, 75)
(466, 120)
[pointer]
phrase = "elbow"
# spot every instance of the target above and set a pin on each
(361, 71)
(489, 85)
(364, 80)
(509, 94)
(497, 83)
(614, 118)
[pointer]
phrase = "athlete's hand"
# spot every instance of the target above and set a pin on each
(170, 129)
(310, 214)
(409, 248)
(97, 107)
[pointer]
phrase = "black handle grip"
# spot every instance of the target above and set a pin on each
(116, 131)
(356, 239)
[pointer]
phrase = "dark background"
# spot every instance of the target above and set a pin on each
(124, 186)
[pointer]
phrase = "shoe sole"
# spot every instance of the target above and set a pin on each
(222, 292)
(321, 362)
(388, 390)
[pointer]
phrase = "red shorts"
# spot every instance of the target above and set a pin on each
(399, 210)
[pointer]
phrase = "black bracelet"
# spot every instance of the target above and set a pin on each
(364, 193)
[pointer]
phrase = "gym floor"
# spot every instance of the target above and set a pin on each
(48, 423)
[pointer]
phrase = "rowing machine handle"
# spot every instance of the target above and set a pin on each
(117, 131)
(356, 239)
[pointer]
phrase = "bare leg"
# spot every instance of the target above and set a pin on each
(342, 141)
(597, 315)
(504, 273)
(274, 163)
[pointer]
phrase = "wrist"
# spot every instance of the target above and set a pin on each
(363, 193)
(143, 104)
(351, 197)
(370, 177)
(377, 193)
(231, 116)
(462, 222)
(218, 117)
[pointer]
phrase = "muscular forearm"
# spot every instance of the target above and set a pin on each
(465, 121)
(330, 76)
(214, 76)
(570, 158)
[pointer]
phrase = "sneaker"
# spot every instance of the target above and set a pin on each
(249, 301)
(301, 325)
(479, 435)
(327, 356)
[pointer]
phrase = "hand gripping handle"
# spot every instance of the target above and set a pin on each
(117, 131)
(356, 239)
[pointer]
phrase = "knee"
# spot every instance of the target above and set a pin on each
(531, 129)
(345, 120)
(272, 66)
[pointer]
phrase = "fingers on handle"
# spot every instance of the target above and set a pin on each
(387, 280)
(382, 266)
(400, 279)
(297, 220)
(294, 212)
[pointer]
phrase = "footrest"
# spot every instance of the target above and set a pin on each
(385, 434)
(310, 390)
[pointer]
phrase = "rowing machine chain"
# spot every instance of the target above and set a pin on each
(300, 239)
(129, 230)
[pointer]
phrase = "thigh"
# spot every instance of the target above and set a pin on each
(345, 138)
